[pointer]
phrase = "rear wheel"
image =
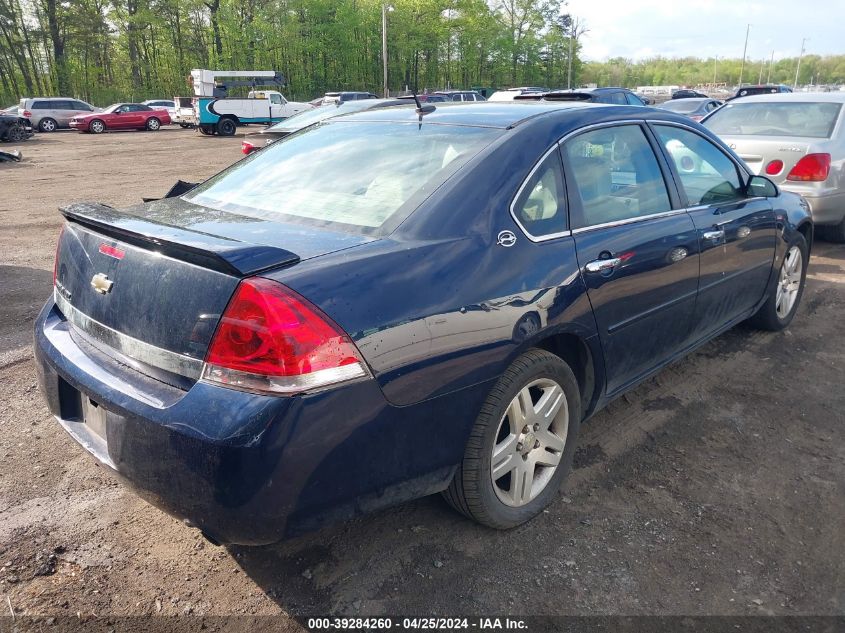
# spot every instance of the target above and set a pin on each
(47, 125)
(96, 126)
(520, 449)
(226, 127)
(16, 134)
(153, 124)
(782, 303)
(834, 233)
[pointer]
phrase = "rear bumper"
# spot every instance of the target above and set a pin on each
(827, 206)
(246, 468)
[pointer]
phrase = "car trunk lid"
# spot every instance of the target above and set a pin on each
(759, 152)
(150, 283)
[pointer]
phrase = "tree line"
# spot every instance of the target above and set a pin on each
(691, 71)
(111, 50)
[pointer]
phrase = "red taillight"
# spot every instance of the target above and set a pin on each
(811, 168)
(247, 147)
(27, 114)
(56, 258)
(272, 340)
(774, 167)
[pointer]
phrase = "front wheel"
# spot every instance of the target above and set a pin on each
(520, 449)
(96, 126)
(153, 124)
(782, 302)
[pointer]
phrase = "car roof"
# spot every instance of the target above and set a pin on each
(497, 114)
(795, 97)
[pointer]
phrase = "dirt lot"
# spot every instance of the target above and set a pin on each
(716, 488)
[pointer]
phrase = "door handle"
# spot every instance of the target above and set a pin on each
(714, 236)
(601, 265)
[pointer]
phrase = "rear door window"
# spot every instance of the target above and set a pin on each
(42, 105)
(616, 176)
(540, 207)
(708, 176)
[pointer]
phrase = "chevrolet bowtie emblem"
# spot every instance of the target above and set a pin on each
(101, 283)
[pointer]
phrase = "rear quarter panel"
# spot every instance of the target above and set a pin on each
(439, 306)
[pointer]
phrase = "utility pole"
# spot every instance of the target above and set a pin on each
(771, 63)
(744, 50)
(384, 9)
(798, 66)
(715, 61)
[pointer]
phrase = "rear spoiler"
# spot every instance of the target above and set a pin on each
(176, 190)
(231, 257)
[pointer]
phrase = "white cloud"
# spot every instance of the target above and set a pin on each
(644, 28)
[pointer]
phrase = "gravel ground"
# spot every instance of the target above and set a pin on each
(715, 488)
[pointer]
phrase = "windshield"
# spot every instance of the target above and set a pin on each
(347, 174)
(681, 105)
(310, 117)
(798, 119)
(112, 108)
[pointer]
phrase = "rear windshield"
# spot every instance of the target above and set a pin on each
(681, 105)
(363, 176)
(799, 119)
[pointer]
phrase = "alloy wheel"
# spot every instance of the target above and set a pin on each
(47, 125)
(789, 282)
(153, 124)
(529, 442)
(97, 127)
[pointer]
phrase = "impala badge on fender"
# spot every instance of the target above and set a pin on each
(101, 283)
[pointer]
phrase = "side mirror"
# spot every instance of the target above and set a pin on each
(761, 186)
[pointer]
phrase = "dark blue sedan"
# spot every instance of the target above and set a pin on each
(398, 303)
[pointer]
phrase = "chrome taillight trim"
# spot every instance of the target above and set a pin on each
(282, 385)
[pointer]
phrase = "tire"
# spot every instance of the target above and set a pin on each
(832, 233)
(785, 296)
(226, 127)
(97, 126)
(16, 134)
(207, 130)
(153, 124)
(47, 125)
(500, 503)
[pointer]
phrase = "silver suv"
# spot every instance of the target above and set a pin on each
(47, 114)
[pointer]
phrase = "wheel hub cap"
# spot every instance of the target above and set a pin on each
(529, 442)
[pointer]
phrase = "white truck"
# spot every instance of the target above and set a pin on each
(217, 113)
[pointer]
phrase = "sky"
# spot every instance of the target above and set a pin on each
(638, 29)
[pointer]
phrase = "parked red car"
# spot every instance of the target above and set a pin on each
(122, 116)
